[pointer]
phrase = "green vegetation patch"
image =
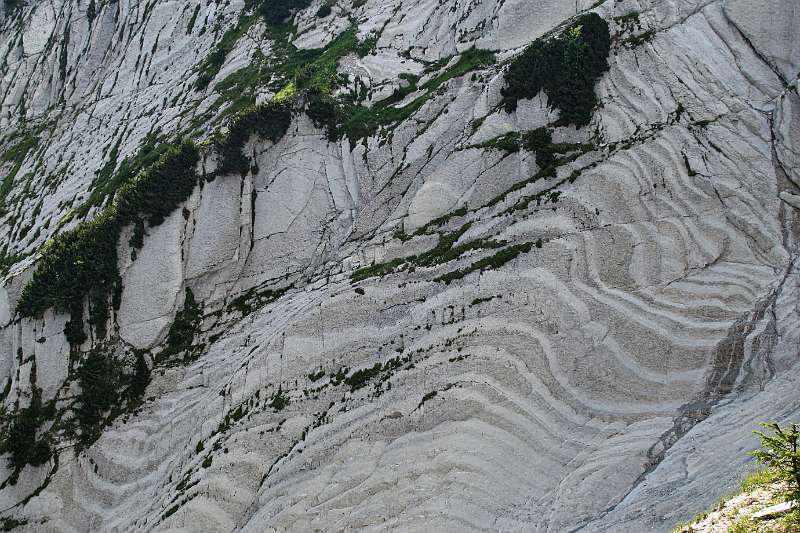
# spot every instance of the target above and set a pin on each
(256, 298)
(358, 122)
(510, 142)
(20, 439)
(362, 377)
(444, 251)
(780, 451)
(183, 330)
(488, 263)
(268, 121)
(114, 174)
(276, 12)
(85, 257)
(565, 67)
(106, 384)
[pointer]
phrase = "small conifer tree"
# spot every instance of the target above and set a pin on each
(780, 451)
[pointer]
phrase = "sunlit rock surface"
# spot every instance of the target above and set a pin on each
(606, 380)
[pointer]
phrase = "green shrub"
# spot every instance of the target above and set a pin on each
(12, 5)
(112, 176)
(429, 396)
(7, 261)
(379, 269)
(20, 439)
(85, 257)
(100, 379)
(15, 156)
(19, 433)
(324, 11)
(565, 67)
(183, 329)
(319, 75)
(139, 380)
(444, 251)
(109, 386)
(781, 452)
(70, 264)
(509, 143)
(192, 20)
(10, 524)
(540, 141)
(315, 376)
(159, 189)
(268, 121)
(275, 12)
(360, 378)
(256, 298)
(358, 122)
(91, 11)
(279, 401)
(494, 261)
(322, 111)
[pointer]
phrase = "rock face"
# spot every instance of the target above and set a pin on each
(590, 351)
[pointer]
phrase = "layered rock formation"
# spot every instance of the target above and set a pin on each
(421, 328)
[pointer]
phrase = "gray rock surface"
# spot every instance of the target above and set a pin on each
(606, 380)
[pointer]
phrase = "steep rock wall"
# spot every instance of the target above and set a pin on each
(604, 379)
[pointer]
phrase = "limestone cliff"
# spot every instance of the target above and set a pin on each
(406, 265)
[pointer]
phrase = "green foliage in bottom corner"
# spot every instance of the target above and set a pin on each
(780, 451)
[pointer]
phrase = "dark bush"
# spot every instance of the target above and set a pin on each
(11, 5)
(279, 401)
(91, 11)
(268, 121)
(186, 325)
(140, 379)
(159, 190)
(85, 257)
(322, 111)
(99, 378)
(324, 11)
(19, 436)
(360, 378)
(73, 329)
(275, 12)
(780, 451)
(565, 67)
(20, 440)
(70, 264)
(540, 141)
